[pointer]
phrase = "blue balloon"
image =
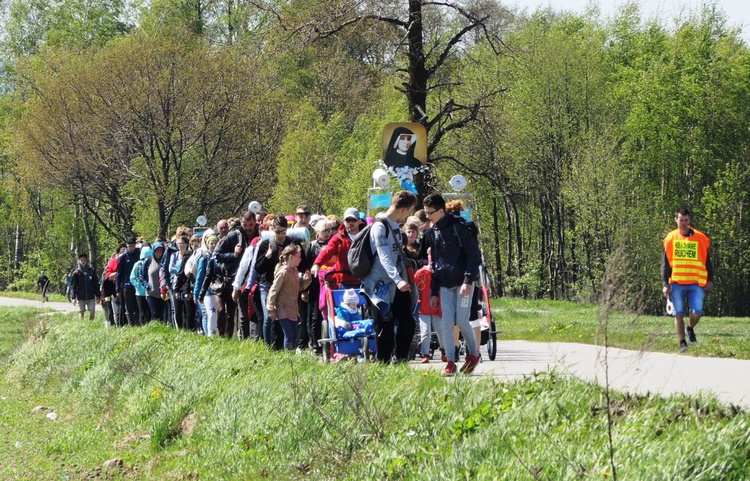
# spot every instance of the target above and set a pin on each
(409, 185)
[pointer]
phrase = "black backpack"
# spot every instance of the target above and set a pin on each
(361, 255)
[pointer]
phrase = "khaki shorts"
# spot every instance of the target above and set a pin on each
(91, 304)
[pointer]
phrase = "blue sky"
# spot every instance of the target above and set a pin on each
(737, 11)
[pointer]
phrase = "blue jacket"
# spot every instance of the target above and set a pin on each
(135, 275)
(205, 273)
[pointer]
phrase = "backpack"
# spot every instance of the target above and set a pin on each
(361, 256)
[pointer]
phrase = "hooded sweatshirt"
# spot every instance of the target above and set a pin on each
(135, 274)
(154, 269)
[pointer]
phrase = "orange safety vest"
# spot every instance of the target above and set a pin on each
(687, 257)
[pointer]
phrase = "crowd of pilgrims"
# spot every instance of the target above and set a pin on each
(221, 282)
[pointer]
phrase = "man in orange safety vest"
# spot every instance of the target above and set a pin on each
(687, 273)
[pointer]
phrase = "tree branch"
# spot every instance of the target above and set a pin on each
(451, 43)
(361, 18)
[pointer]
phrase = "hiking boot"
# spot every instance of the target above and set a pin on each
(470, 364)
(426, 358)
(450, 369)
(683, 346)
(691, 335)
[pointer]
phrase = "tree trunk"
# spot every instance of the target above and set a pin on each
(416, 91)
(163, 221)
(90, 237)
(18, 251)
(498, 259)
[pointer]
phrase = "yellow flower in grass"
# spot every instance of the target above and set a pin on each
(156, 394)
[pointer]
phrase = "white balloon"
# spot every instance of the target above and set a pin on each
(201, 220)
(254, 207)
(458, 183)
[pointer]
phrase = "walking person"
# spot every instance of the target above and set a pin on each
(124, 288)
(335, 252)
(85, 285)
(455, 267)
(387, 284)
(229, 256)
(113, 315)
(204, 288)
(42, 284)
(282, 296)
(687, 274)
(136, 279)
(266, 259)
(152, 281)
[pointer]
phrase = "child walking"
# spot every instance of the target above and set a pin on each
(282, 297)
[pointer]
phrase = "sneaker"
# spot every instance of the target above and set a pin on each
(683, 346)
(691, 335)
(470, 364)
(426, 358)
(443, 357)
(450, 369)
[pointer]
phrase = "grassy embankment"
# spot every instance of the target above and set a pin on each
(173, 405)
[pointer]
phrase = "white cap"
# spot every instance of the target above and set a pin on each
(351, 297)
(351, 212)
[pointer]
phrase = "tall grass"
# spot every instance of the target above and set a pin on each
(214, 409)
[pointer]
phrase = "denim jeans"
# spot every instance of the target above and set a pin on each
(694, 294)
(267, 327)
(210, 316)
(291, 331)
(456, 309)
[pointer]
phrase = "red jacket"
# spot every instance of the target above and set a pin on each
(111, 268)
(335, 252)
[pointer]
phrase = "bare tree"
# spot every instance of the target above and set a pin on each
(430, 35)
(151, 121)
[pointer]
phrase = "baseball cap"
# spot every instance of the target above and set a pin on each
(351, 213)
(131, 240)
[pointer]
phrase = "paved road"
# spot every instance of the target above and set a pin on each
(58, 306)
(629, 371)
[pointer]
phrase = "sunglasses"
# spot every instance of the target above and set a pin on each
(280, 231)
(329, 230)
(350, 220)
(306, 214)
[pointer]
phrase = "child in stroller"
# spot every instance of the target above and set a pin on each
(345, 333)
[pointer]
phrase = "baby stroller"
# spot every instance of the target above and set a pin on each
(338, 343)
(483, 312)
